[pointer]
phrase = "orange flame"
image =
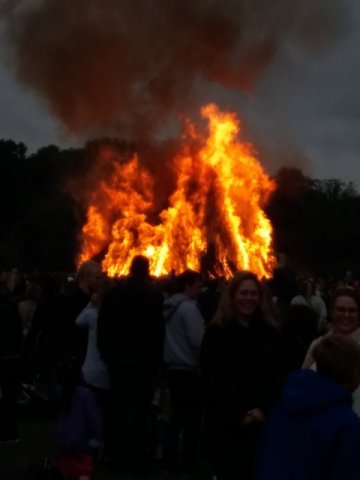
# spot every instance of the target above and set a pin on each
(215, 209)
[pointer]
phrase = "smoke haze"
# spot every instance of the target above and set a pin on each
(129, 68)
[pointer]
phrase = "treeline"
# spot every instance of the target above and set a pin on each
(317, 223)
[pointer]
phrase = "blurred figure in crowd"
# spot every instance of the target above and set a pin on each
(130, 341)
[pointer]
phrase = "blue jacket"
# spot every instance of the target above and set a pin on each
(312, 434)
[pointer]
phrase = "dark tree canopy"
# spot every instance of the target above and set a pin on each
(316, 222)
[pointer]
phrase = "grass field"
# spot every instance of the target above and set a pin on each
(37, 442)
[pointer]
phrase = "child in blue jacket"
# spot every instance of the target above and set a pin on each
(313, 434)
(79, 425)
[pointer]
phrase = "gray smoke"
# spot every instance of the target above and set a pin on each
(129, 67)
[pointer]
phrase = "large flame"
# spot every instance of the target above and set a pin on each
(214, 216)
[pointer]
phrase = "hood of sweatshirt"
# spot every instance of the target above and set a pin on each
(172, 304)
(308, 392)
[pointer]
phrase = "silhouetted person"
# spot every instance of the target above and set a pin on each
(130, 339)
(10, 347)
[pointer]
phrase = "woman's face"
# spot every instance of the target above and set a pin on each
(345, 315)
(247, 298)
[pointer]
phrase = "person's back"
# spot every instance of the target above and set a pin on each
(130, 326)
(312, 433)
(130, 339)
(184, 331)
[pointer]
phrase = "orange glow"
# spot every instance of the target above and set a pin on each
(215, 209)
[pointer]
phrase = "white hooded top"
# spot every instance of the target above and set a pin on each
(184, 331)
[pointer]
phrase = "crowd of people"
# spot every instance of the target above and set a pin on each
(239, 379)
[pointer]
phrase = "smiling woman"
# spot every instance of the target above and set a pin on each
(239, 365)
(345, 321)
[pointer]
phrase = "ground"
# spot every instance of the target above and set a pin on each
(37, 442)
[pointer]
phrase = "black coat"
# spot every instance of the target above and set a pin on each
(130, 324)
(240, 369)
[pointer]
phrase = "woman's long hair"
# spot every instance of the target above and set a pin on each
(226, 311)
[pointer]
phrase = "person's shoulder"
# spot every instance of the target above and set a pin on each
(188, 306)
(316, 342)
(316, 300)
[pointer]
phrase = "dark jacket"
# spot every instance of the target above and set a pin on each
(10, 339)
(130, 324)
(239, 368)
(312, 433)
(75, 339)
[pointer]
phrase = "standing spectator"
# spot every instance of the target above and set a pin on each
(28, 306)
(312, 433)
(79, 426)
(239, 366)
(283, 284)
(10, 347)
(345, 314)
(184, 330)
(94, 369)
(75, 339)
(209, 298)
(314, 303)
(130, 340)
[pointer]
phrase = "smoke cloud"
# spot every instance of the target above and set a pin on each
(130, 68)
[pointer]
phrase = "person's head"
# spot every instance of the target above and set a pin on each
(242, 298)
(307, 288)
(345, 311)
(140, 267)
(338, 358)
(190, 283)
(89, 276)
(97, 297)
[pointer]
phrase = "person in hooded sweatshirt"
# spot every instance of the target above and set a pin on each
(313, 434)
(184, 331)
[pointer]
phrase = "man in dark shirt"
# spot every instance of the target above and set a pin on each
(130, 340)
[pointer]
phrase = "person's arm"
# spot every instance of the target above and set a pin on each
(194, 325)
(309, 357)
(322, 313)
(84, 318)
